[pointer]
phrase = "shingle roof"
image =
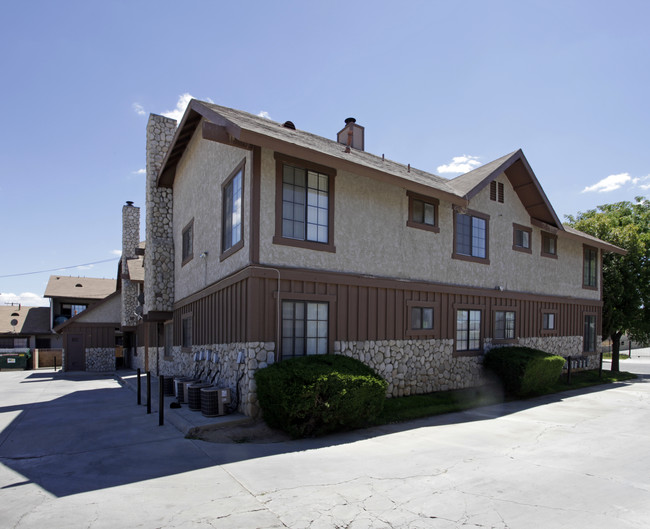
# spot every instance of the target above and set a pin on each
(79, 287)
(29, 320)
(248, 129)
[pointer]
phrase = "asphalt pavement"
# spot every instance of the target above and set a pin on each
(76, 451)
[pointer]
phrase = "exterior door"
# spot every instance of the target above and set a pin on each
(75, 357)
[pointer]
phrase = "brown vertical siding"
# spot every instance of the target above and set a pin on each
(95, 334)
(244, 307)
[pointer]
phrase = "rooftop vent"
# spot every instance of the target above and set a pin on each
(129, 203)
(351, 135)
(289, 125)
(79, 285)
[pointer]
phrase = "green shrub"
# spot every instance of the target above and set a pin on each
(314, 395)
(524, 371)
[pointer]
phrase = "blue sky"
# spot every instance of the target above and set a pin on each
(444, 86)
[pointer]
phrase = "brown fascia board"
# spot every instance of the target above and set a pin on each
(168, 167)
(321, 158)
(518, 155)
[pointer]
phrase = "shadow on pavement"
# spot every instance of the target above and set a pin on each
(94, 439)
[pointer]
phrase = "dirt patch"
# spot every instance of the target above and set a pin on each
(249, 431)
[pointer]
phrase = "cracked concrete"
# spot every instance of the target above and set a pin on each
(80, 453)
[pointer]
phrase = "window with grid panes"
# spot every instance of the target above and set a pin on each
(305, 204)
(304, 328)
(468, 330)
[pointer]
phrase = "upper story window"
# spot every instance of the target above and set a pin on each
(471, 235)
(504, 325)
(549, 245)
(423, 212)
(304, 203)
(187, 251)
(497, 191)
(232, 192)
(521, 238)
(590, 268)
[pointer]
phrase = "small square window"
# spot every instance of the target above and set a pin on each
(549, 245)
(521, 238)
(548, 321)
(423, 212)
(421, 318)
(187, 251)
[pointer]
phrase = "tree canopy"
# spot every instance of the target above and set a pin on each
(626, 278)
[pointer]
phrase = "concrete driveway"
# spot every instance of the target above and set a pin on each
(78, 452)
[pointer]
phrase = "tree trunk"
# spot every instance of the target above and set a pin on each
(616, 349)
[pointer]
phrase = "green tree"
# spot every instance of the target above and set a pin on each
(626, 278)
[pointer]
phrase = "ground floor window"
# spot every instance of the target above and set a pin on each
(548, 323)
(304, 328)
(504, 325)
(186, 331)
(590, 333)
(468, 330)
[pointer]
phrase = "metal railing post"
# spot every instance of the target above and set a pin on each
(148, 392)
(139, 388)
(161, 400)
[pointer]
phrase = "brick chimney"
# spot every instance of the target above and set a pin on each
(159, 253)
(351, 135)
(130, 242)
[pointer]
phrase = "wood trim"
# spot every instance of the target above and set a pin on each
(429, 200)
(218, 133)
(255, 205)
(423, 333)
(518, 227)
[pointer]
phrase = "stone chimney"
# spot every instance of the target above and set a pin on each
(351, 135)
(130, 241)
(159, 252)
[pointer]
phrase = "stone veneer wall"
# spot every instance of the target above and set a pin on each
(226, 372)
(416, 366)
(130, 242)
(409, 366)
(159, 254)
(100, 359)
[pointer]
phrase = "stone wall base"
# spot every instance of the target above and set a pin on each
(100, 360)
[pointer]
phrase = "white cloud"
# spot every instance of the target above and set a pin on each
(645, 187)
(609, 183)
(460, 164)
(264, 114)
(140, 171)
(117, 252)
(28, 299)
(84, 267)
(181, 105)
(138, 109)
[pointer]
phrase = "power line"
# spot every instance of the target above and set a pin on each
(60, 268)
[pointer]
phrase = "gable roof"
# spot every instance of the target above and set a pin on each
(29, 320)
(245, 130)
(522, 178)
(79, 287)
(115, 297)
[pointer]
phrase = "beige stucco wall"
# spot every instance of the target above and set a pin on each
(205, 166)
(108, 312)
(371, 237)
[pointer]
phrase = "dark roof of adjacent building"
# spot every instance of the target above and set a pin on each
(245, 130)
(28, 320)
(79, 287)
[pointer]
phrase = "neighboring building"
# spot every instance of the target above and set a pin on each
(85, 311)
(265, 242)
(26, 328)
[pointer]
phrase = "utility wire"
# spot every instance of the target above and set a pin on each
(60, 268)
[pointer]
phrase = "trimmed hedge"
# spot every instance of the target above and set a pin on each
(315, 395)
(522, 370)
